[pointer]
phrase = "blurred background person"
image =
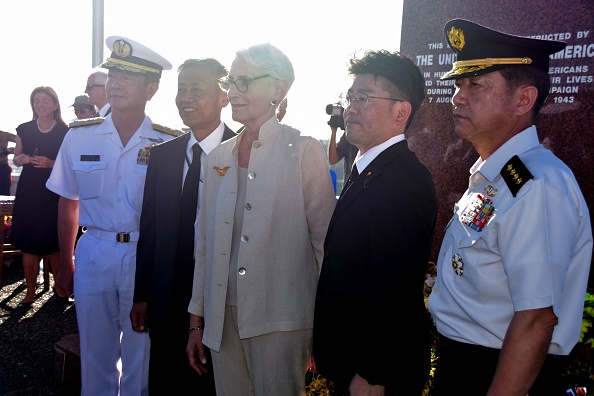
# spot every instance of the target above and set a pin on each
(35, 212)
(343, 149)
(5, 168)
(96, 90)
(83, 108)
(266, 205)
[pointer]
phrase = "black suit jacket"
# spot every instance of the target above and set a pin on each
(370, 316)
(163, 281)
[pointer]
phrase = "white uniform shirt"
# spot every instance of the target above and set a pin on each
(104, 109)
(108, 179)
(524, 252)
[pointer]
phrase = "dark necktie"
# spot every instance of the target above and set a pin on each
(189, 204)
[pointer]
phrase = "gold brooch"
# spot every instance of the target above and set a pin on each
(221, 171)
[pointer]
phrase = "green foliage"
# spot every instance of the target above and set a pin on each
(580, 367)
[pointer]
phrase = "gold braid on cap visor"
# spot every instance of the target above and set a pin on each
(469, 66)
(133, 67)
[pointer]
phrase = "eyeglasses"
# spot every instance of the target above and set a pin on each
(241, 83)
(89, 86)
(360, 99)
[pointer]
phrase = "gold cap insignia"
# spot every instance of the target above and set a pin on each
(122, 48)
(456, 37)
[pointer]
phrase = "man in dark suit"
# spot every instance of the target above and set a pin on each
(165, 261)
(371, 328)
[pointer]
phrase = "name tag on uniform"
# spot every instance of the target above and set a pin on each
(90, 157)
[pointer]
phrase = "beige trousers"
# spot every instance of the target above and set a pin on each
(268, 365)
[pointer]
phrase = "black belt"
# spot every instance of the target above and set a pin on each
(120, 237)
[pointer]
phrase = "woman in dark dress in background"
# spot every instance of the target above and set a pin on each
(35, 212)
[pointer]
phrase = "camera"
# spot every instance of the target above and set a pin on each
(335, 111)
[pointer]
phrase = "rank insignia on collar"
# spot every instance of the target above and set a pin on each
(221, 171)
(458, 264)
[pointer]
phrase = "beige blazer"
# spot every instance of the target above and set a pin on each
(289, 203)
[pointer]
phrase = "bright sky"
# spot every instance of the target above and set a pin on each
(50, 43)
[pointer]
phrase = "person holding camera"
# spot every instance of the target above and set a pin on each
(344, 148)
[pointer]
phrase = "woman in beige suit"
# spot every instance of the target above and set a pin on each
(265, 209)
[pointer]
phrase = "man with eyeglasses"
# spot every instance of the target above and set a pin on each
(378, 242)
(96, 90)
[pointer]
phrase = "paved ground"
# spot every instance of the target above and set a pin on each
(28, 338)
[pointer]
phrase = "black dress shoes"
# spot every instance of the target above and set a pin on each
(64, 299)
(24, 305)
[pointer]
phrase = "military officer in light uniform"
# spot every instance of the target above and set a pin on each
(99, 175)
(514, 262)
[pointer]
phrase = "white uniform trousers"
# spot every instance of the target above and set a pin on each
(103, 289)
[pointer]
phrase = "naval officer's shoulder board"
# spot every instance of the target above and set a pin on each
(86, 121)
(169, 131)
(515, 174)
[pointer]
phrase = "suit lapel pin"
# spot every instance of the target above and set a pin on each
(221, 171)
(368, 178)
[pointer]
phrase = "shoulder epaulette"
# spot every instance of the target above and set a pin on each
(169, 131)
(515, 174)
(86, 121)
